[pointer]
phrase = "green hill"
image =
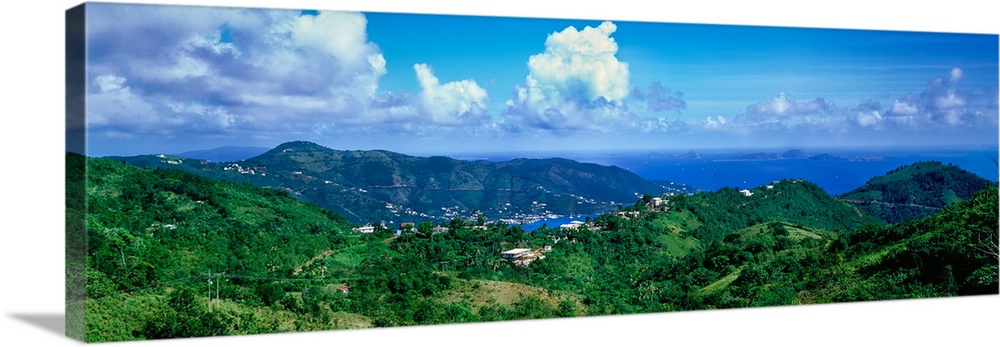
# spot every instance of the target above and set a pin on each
(950, 253)
(914, 191)
(155, 235)
(173, 254)
(727, 210)
(367, 186)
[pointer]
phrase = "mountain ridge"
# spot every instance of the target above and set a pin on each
(224, 153)
(372, 185)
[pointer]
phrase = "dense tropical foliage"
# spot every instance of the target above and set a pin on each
(172, 254)
(914, 191)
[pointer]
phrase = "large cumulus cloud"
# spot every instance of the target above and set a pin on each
(453, 103)
(577, 83)
(174, 70)
(943, 104)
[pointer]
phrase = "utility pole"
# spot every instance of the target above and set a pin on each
(209, 291)
(217, 283)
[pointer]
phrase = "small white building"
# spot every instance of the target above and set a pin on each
(746, 192)
(514, 254)
(572, 225)
(366, 229)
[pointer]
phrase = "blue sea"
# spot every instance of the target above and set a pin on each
(716, 169)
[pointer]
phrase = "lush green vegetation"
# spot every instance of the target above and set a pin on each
(801, 202)
(367, 186)
(914, 191)
(155, 235)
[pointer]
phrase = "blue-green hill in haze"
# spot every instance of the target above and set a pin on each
(376, 185)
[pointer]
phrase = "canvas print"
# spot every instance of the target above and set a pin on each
(235, 171)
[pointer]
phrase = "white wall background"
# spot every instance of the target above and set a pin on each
(31, 174)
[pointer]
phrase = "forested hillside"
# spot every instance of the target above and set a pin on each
(914, 191)
(796, 201)
(156, 236)
(376, 185)
(173, 254)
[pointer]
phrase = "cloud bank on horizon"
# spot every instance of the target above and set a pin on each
(175, 75)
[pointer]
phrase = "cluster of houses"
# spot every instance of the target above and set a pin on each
(572, 225)
(247, 171)
(659, 204)
(403, 227)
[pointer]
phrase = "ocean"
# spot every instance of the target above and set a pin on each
(715, 169)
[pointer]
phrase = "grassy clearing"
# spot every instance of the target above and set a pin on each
(721, 283)
(678, 246)
(479, 293)
(676, 222)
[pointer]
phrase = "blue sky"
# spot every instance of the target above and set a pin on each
(168, 79)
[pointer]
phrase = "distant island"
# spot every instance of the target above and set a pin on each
(688, 155)
(829, 157)
(798, 154)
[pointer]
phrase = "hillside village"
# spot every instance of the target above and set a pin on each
(525, 256)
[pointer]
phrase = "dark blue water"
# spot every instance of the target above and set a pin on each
(712, 172)
(716, 169)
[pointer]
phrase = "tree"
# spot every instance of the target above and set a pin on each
(425, 229)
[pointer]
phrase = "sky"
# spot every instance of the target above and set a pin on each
(169, 79)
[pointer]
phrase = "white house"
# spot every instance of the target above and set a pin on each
(366, 229)
(746, 192)
(572, 225)
(513, 254)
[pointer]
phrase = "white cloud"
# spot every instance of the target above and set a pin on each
(715, 123)
(949, 101)
(577, 83)
(943, 104)
(868, 119)
(115, 105)
(956, 75)
(339, 34)
(452, 103)
(782, 107)
(204, 118)
(109, 83)
(903, 108)
(581, 63)
(286, 70)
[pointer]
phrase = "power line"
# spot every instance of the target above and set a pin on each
(208, 277)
